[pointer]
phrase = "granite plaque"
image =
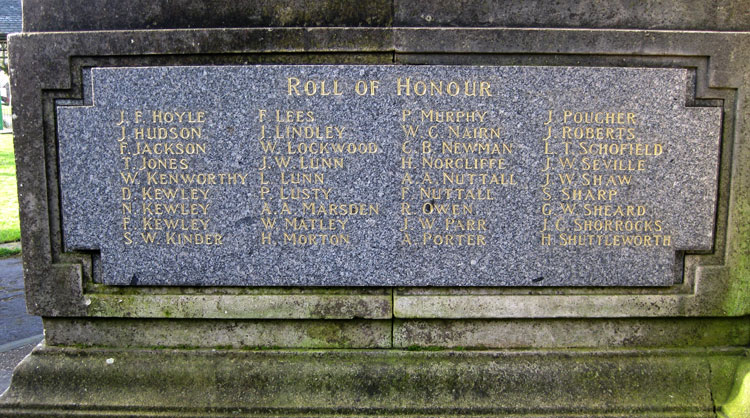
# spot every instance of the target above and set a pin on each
(388, 175)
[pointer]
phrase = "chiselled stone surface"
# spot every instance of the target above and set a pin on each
(388, 175)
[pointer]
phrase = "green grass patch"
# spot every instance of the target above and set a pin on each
(10, 228)
(7, 252)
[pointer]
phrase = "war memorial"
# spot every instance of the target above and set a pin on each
(429, 208)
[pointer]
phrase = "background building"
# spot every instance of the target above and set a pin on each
(10, 22)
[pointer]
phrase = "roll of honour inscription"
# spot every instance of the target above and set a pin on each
(388, 175)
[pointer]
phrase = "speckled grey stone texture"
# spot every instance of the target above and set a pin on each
(672, 193)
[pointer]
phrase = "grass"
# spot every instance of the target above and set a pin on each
(10, 229)
(7, 252)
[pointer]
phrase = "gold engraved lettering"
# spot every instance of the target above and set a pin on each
(615, 240)
(617, 225)
(182, 224)
(301, 178)
(296, 87)
(315, 224)
(482, 178)
(316, 239)
(454, 209)
(450, 116)
(487, 148)
(303, 193)
(637, 149)
(163, 164)
(167, 133)
(169, 148)
(609, 118)
(320, 163)
(438, 193)
(606, 180)
(476, 132)
(616, 164)
(181, 193)
(406, 87)
(340, 209)
(196, 178)
(599, 133)
(294, 116)
(463, 163)
(316, 148)
(308, 132)
(362, 87)
(159, 116)
(453, 240)
(588, 194)
(174, 238)
(457, 224)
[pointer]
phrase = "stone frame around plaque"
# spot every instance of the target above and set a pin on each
(59, 284)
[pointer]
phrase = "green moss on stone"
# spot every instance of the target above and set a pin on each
(737, 302)
(427, 348)
(224, 347)
(738, 404)
(187, 347)
(329, 334)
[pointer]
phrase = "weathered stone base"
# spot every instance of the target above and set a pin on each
(56, 381)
